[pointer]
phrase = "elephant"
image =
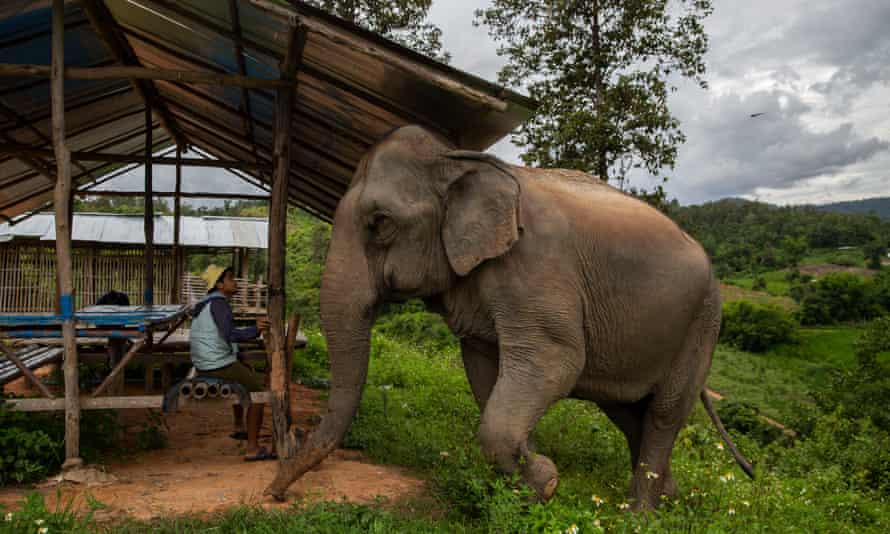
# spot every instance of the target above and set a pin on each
(556, 284)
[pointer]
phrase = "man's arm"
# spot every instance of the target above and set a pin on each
(225, 322)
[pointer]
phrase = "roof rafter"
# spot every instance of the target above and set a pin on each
(109, 32)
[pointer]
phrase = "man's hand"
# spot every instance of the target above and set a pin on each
(262, 323)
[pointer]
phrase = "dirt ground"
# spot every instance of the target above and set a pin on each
(202, 470)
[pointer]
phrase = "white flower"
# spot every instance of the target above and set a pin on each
(8, 516)
(596, 523)
(746, 503)
(38, 522)
(731, 511)
(624, 506)
(651, 474)
(42, 530)
(728, 477)
(572, 529)
(719, 446)
(597, 500)
(443, 454)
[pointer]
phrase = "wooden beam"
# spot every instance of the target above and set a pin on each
(283, 429)
(119, 368)
(18, 149)
(143, 73)
(20, 122)
(171, 194)
(246, 115)
(344, 38)
(149, 214)
(107, 29)
(177, 221)
(11, 356)
(115, 403)
(64, 271)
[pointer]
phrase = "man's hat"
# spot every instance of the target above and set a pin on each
(213, 274)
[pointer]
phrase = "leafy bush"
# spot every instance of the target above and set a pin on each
(745, 418)
(836, 297)
(26, 455)
(410, 322)
(755, 327)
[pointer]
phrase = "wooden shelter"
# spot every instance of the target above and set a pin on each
(281, 92)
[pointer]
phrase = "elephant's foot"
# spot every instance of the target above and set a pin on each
(649, 489)
(541, 475)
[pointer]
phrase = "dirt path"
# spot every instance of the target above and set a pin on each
(202, 470)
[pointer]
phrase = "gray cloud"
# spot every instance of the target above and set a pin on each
(729, 153)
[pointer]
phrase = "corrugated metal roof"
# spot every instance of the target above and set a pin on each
(353, 87)
(198, 232)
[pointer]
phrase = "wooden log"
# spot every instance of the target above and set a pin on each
(149, 214)
(114, 354)
(170, 194)
(177, 222)
(142, 73)
(345, 38)
(11, 356)
(109, 32)
(61, 201)
(114, 403)
(119, 368)
(279, 381)
(19, 149)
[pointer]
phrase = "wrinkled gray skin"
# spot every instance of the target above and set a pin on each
(556, 284)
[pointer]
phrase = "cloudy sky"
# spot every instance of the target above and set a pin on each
(818, 70)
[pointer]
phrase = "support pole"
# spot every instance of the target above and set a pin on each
(61, 200)
(149, 212)
(285, 437)
(177, 249)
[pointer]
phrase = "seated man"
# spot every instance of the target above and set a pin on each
(214, 351)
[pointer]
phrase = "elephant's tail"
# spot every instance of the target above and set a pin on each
(741, 460)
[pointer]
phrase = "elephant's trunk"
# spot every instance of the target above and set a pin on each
(348, 300)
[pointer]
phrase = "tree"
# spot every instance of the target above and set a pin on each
(602, 71)
(403, 21)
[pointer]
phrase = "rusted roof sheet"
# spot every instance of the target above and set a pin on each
(353, 87)
(198, 232)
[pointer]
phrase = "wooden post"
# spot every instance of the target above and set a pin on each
(149, 213)
(285, 438)
(177, 250)
(61, 200)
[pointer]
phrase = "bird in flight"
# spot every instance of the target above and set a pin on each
(755, 115)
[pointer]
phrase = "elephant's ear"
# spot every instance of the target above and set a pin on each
(481, 210)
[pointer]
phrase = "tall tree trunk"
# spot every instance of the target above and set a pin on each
(602, 170)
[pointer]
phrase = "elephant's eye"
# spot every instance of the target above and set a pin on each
(381, 227)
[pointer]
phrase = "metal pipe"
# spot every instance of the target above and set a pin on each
(185, 390)
(199, 391)
(212, 390)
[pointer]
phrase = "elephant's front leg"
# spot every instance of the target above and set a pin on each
(531, 379)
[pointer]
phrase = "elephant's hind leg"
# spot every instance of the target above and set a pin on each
(671, 404)
(525, 389)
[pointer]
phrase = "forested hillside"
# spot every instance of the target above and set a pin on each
(743, 236)
(879, 206)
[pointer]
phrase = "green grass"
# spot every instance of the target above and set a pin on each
(852, 257)
(781, 377)
(776, 284)
(417, 412)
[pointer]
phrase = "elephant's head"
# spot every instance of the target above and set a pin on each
(417, 216)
